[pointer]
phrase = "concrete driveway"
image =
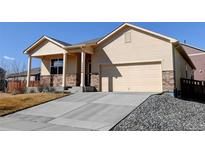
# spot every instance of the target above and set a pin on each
(81, 111)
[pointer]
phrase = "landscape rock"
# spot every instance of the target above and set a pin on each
(165, 113)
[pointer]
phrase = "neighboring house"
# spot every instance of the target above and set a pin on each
(22, 76)
(129, 59)
(198, 58)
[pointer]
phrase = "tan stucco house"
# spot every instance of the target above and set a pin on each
(129, 59)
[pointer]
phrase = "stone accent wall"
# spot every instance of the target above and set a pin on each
(95, 81)
(57, 80)
(71, 80)
(168, 81)
(45, 80)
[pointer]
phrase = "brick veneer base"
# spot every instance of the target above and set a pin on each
(56, 80)
(168, 81)
(71, 80)
(95, 81)
(45, 80)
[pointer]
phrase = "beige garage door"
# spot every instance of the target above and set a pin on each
(146, 77)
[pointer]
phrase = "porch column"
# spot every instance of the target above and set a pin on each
(82, 82)
(28, 71)
(64, 69)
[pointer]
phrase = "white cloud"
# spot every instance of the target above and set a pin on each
(9, 58)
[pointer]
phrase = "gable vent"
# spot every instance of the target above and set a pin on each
(127, 37)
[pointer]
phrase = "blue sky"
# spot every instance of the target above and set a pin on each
(16, 37)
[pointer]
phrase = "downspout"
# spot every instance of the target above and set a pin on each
(174, 70)
(176, 92)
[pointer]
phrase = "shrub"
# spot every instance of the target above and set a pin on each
(45, 89)
(14, 92)
(20, 90)
(51, 89)
(40, 89)
(32, 91)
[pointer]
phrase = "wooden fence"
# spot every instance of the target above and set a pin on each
(20, 85)
(192, 89)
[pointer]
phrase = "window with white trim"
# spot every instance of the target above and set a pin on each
(56, 66)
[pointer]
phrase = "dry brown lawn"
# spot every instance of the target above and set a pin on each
(12, 103)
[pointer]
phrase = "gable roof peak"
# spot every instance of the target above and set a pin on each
(171, 40)
(53, 40)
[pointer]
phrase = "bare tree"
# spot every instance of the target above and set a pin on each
(10, 67)
(5, 65)
(13, 66)
(23, 66)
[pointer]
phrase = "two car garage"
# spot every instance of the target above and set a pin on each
(131, 77)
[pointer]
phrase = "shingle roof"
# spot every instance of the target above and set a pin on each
(89, 41)
(61, 42)
(191, 49)
(34, 71)
(84, 42)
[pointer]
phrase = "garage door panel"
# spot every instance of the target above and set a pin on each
(133, 78)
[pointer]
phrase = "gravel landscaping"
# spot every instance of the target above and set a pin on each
(165, 113)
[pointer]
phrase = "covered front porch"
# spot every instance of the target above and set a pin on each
(70, 67)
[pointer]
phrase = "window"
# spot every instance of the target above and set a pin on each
(56, 66)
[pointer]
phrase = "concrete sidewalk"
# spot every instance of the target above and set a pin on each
(78, 112)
